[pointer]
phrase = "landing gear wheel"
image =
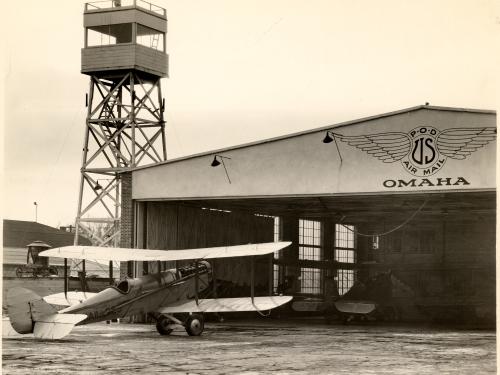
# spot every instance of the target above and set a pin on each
(194, 325)
(162, 326)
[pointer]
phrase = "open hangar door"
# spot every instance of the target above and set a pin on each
(439, 247)
(175, 225)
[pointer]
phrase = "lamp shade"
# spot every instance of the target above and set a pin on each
(215, 162)
(327, 138)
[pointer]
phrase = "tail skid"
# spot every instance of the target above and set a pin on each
(30, 313)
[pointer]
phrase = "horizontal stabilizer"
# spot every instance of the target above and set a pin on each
(56, 326)
(354, 307)
(124, 254)
(226, 305)
(72, 298)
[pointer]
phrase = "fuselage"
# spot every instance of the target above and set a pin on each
(143, 295)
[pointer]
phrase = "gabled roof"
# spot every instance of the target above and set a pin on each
(322, 129)
(17, 233)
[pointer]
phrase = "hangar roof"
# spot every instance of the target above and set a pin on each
(414, 150)
(323, 129)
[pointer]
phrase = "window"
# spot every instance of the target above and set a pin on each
(109, 34)
(345, 280)
(309, 239)
(310, 249)
(345, 252)
(310, 280)
(149, 37)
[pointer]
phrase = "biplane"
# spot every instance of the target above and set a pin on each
(171, 297)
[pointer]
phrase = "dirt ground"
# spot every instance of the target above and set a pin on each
(256, 347)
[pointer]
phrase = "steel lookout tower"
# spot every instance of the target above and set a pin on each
(125, 57)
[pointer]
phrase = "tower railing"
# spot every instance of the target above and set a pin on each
(109, 4)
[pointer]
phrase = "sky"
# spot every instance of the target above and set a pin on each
(240, 71)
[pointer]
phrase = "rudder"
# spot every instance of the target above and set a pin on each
(24, 307)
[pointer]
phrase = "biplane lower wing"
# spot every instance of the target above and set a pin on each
(125, 254)
(226, 305)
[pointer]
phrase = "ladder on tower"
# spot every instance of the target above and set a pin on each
(108, 115)
(155, 40)
(107, 108)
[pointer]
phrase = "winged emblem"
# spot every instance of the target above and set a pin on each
(460, 143)
(423, 151)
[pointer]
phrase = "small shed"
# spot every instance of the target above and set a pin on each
(17, 235)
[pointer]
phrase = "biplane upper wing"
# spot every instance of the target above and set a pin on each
(226, 305)
(124, 254)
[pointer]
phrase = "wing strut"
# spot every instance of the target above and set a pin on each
(66, 278)
(196, 281)
(252, 278)
(83, 278)
(214, 282)
(110, 272)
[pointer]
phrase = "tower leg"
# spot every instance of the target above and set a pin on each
(124, 129)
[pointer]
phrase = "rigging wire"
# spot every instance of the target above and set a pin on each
(70, 129)
(391, 230)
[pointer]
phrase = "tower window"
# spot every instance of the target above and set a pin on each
(109, 34)
(149, 37)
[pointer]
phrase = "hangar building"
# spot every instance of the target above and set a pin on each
(412, 192)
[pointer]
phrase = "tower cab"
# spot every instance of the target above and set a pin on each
(122, 36)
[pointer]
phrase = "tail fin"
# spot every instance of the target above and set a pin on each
(23, 306)
(29, 313)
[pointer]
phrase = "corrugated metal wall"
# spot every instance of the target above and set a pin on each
(172, 226)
